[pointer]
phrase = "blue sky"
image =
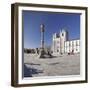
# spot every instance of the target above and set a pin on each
(53, 23)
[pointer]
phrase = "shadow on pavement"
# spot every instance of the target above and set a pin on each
(32, 64)
(28, 72)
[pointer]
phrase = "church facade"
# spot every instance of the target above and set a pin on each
(61, 44)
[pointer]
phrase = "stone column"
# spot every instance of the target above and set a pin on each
(42, 36)
(42, 53)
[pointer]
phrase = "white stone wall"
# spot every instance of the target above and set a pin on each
(72, 46)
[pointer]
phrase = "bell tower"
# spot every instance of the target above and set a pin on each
(63, 38)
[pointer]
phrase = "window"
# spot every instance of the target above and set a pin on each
(57, 50)
(62, 34)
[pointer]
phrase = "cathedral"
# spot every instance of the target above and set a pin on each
(62, 45)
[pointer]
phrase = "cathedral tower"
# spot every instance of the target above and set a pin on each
(63, 38)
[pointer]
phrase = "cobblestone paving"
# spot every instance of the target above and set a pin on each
(56, 66)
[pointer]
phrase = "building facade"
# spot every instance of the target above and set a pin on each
(61, 43)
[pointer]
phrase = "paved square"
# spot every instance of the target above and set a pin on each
(57, 66)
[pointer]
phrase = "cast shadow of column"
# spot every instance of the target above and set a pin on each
(29, 72)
